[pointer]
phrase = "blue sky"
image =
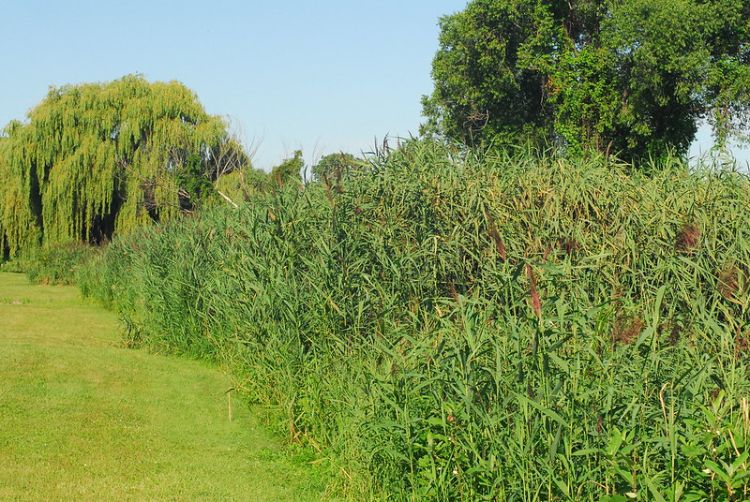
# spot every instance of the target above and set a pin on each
(318, 75)
(322, 76)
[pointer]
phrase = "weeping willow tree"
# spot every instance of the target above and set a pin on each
(96, 159)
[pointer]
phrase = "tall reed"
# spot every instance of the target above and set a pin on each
(453, 325)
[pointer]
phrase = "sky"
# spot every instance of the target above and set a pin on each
(322, 76)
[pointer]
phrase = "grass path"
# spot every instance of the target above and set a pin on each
(83, 419)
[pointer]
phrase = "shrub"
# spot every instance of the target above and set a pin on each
(12, 266)
(57, 264)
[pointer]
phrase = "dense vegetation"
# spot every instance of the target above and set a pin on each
(628, 77)
(458, 318)
(94, 159)
(335, 165)
(454, 324)
(56, 264)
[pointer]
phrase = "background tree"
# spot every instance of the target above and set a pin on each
(289, 171)
(98, 158)
(482, 90)
(240, 185)
(632, 77)
(336, 165)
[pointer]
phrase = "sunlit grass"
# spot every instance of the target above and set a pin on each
(82, 418)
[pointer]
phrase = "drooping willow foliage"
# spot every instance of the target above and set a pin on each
(96, 159)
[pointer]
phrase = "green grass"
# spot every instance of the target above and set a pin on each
(82, 418)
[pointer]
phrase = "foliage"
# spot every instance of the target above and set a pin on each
(289, 171)
(336, 165)
(94, 159)
(459, 325)
(57, 264)
(12, 266)
(481, 90)
(632, 78)
(242, 184)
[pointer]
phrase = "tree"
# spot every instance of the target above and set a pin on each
(96, 159)
(289, 171)
(336, 165)
(631, 77)
(242, 184)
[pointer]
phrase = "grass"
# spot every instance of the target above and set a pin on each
(82, 418)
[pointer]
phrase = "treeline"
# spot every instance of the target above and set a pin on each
(464, 325)
(94, 160)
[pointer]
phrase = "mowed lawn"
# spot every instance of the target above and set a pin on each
(82, 418)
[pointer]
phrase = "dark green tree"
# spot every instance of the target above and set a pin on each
(98, 158)
(336, 165)
(629, 77)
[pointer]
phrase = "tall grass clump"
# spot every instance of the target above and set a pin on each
(452, 325)
(56, 263)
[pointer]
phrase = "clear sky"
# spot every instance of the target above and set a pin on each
(322, 76)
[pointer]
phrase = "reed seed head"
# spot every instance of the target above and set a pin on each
(688, 238)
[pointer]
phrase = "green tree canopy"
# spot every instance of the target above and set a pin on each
(633, 77)
(336, 165)
(98, 158)
(241, 185)
(290, 170)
